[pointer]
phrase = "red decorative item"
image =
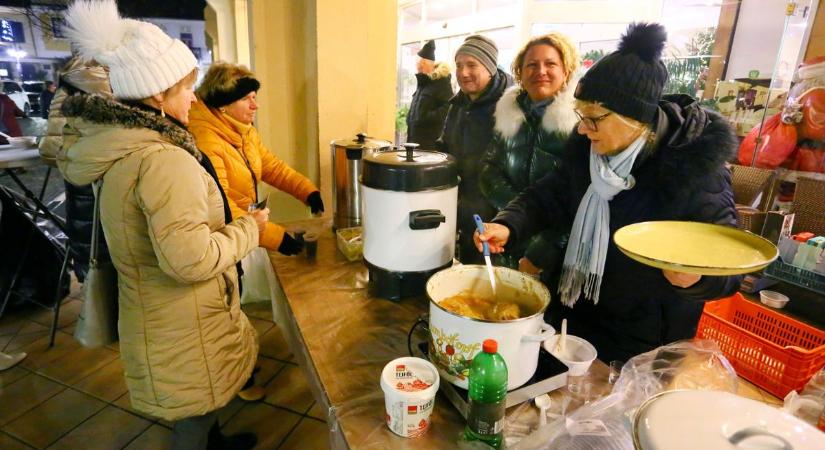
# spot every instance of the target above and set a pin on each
(810, 159)
(778, 142)
(449, 350)
(813, 115)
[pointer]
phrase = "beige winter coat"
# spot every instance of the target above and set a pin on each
(187, 347)
(80, 76)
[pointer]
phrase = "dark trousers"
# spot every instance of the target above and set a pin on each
(192, 433)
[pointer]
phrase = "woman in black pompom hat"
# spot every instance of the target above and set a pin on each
(637, 156)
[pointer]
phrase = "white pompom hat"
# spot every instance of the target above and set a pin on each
(142, 59)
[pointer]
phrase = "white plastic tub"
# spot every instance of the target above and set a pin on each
(773, 299)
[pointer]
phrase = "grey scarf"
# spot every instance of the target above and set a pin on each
(590, 235)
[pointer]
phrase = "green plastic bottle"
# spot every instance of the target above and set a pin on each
(488, 389)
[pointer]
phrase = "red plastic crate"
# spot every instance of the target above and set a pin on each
(773, 351)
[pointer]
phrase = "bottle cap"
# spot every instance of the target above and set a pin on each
(489, 346)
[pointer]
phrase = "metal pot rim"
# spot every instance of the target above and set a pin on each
(540, 312)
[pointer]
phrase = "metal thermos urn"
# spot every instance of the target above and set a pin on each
(410, 206)
(347, 155)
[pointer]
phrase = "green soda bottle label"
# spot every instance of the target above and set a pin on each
(486, 419)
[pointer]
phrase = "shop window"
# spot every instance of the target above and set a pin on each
(506, 40)
(594, 39)
(11, 31)
(405, 87)
(406, 72)
(442, 10)
(484, 5)
(411, 15)
(186, 38)
(57, 24)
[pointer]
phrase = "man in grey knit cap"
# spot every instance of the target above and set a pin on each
(476, 61)
(469, 130)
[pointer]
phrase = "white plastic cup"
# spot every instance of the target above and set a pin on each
(409, 386)
(578, 354)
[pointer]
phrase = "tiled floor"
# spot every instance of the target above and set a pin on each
(71, 397)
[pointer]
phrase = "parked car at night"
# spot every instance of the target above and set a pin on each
(33, 90)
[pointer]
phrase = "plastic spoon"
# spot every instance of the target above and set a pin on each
(543, 404)
(486, 249)
(560, 346)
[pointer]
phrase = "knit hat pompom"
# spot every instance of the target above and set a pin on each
(630, 80)
(644, 39)
(95, 28)
(142, 59)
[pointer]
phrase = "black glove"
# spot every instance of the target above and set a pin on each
(289, 246)
(315, 203)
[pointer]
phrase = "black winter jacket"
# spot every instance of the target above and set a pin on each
(80, 205)
(682, 176)
(429, 106)
(467, 134)
(524, 149)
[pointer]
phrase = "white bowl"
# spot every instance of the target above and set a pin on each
(23, 141)
(773, 299)
(577, 356)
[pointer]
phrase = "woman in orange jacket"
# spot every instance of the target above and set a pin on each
(222, 125)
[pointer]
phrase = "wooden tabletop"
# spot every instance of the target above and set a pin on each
(342, 337)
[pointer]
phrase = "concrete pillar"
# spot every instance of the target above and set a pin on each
(227, 24)
(327, 71)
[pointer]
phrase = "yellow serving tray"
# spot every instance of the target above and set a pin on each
(695, 247)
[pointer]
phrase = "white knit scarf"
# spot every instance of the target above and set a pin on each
(590, 235)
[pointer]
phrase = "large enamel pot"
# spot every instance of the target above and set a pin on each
(456, 339)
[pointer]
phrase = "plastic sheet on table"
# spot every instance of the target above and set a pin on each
(607, 423)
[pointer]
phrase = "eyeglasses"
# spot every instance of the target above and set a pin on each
(591, 123)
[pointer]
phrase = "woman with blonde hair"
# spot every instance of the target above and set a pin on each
(533, 120)
(186, 346)
(222, 125)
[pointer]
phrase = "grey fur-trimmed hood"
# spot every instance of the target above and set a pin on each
(558, 117)
(101, 110)
(110, 131)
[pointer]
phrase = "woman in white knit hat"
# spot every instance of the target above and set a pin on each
(187, 348)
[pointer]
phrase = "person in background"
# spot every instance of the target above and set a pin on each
(187, 347)
(90, 78)
(46, 98)
(638, 156)
(431, 99)
(468, 131)
(533, 120)
(222, 123)
(9, 112)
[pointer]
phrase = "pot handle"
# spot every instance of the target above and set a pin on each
(749, 432)
(422, 321)
(546, 333)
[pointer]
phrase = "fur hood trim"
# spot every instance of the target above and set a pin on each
(441, 70)
(101, 110)
(558, 117)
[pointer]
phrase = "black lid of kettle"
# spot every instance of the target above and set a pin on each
(409, 170)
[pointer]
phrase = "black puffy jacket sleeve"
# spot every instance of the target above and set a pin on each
(549, 203)
(713, 203)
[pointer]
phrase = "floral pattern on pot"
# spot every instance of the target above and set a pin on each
(450, 354)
